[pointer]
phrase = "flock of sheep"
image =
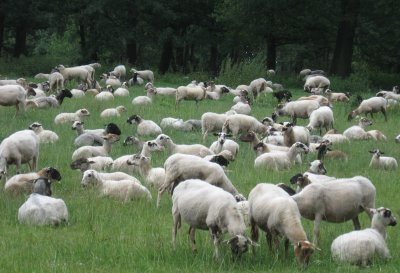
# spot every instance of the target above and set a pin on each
(203, 196)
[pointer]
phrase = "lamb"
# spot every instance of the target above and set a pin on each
(319, 82)
(177, 124)
(321, 118)
(191, 149)
(11, 95)
(190, 93)
(153, 176)
(19, 148)
(51, 101)
(357, 132)
(256, 144)
(397, 139)
(77, 73)
(122, 91)
(292, 134)
(119, 71)
(371, 105)
(211, 122)
(223, 143)
(45, 136)
(113, 112)
(258, 86)
(382, 162)
(179, 167)
(42, 76)
(145, 100)
(336, 201)
(71, 117)
(362, 246)
(333, 137)
(124, 190)
(90, 151)
(272, 210)
(40, 210)
(208, 207)
(297, 109)
(242, 123)
(24, 183)
(162, 91)
(147, 75)
(223, 158)
(334, 96)
(98, 163)
(325, 152)
(280, 160)
(135, 80)
(145, 127)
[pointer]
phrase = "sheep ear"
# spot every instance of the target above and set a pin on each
(216, 134)
(372, 152)
(382, 153)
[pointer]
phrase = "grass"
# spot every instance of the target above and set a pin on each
(105, 235)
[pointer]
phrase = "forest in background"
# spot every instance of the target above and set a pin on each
(342, 37)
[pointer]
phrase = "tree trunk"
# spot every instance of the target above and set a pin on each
(342, 56)
(166, 56)
(20, 41)
(213, 65)
(2, 17)
(131, 51)
(271, 52)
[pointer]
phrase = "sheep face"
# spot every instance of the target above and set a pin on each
(121, 109)
(36, 127)
(364, 122)
(82, 164)
(83, 112)
(303, 251)
(111, 138)
(53, 173)
(317, 167)
(131, 140)
(222, 137)
(267, 121)
(77, 124)
(66, 93)
(163, 140)
(134, 119)
(154, 146)
(89, 177)
(239, 244)
(377, 152)
(385, 216)
(138, 160)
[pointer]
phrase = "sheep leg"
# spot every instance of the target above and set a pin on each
(18, 166)
(177, 219)
(215, 235)
(317, 222)
(192, 232)
(205, 134)
(34, 163)
(356, 223)
(268, 236)
(160, 192)
(384, 113)
(286, 247)
(254, 233)
(294, 119)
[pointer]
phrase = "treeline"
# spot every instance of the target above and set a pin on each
(197, 35)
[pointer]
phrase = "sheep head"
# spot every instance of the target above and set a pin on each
(240, 244)
(317, 167)
(111, 138)
(35, 126)
(134, 119)
(383, 215)
(249, 137)
(303, 251)
(131, 140)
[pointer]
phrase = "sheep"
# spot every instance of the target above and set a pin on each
(270, 72)
(135, 80)
(282, 95)
(334, 137)
(320, 99)
(132, 140)
(321, 117)
(223, 143)
(177, 124)
(19, 148)
(23, 183)
(79, 127)
(21, 81)
(292, 134)
(258, 86)
(119, 71)
(242, 123)
(77, 73)
(208, 207)
(42, 76)
(56, 81)
(192, 149)
(11, 95)
(397, 139)
(190, 93)
(124, 190)
(280, 160)
(214, 92)
(361, 247)
(333, 97)
(145, 100)
(318, 81)
(371, 105)
(179, 167)
(77, 93)
(122, 91)
(382, 162)
(110, 80)
(211, 122)
(98, 163)
(274, 211)
(297, 109)
(223, 158)
(90, 151)
(336, 201)
(147, 75)
(51, 101)
(325, 152)
(266, 147)
(377, 135)
(106, 94)
(115, 176)
(71, 117)
(145, 127)
(357, 132)
(41, 210)
(153, 176)
(242, 106)
(45, 136)
(113, 112)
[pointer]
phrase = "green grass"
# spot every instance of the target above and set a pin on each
(105, 235)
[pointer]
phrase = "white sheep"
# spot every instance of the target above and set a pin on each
(113, 112)
(377, 135)
(56, 81)
(175, 123)
(77, 73)
(71, 117)
(242, 106)
(50, 101)
(111, 80)
(179, 167)
(242, 123)
(361, 247)
(19, 148)
(211, 122)
(337, 201)
(191, 149)
(190, 93)
(11, 95)
(147, 75)
(153, 176)
(335, 96)
(77, 93)
(215, 92)
(292, 134)
(397, 139)
(274, 211)
(334, 137)
(357, 132)
(321, 118)
(45, 136)
(204, 206)
(91, 151)
(42, 76)
(145, 127)
(320, 99)
(116, 176)
(297, 109)
(382, 162)
(105, 95)
(371, 105)
(223, 143)
(145, 100)
(80, 129)
(319, 82)
(122, 91)
(20, 81)
(98, 163)
(259, 86)
(119, 71)
(280, 160)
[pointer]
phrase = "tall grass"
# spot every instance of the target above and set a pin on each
(105, 235)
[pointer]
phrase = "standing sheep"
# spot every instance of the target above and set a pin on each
(321, 118)
(297, 109)
(77, 73)
(242, 123)
(144, 74)
(145, 127)
(319, 82)
(371, 105)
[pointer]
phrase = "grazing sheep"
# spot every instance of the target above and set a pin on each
(147, 75)
(116, 176)
(280, 160)
(357, 132)
(223, 143)
(212, 122)
(242, 123)
(334, 137)
(292, 134)
(51, 101)
(71, 117)
(11, 95)
(360, 247)
(79, 127)
(242, 106)
(382, 162)
(223, 158)
(153, 176)
(91, 151)
(145, 127)
(208, 207)
(190, 93)
(145, 100)
(397, 139)
(319, 82)
(371, 105)
(42, 76)
(98, 163)
(321, 118)
(256, 144)
(272, 210)
(41, 210)
(259, 86)
(122, 91)
(19, 148)
(45, 136)
(297, 109)
(119, 71)
(336, 201)
(113, 112)
(77, 73)
(191, 149)
(21, 81)
(177, 124)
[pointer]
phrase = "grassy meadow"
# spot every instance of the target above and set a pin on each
(105, 235)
